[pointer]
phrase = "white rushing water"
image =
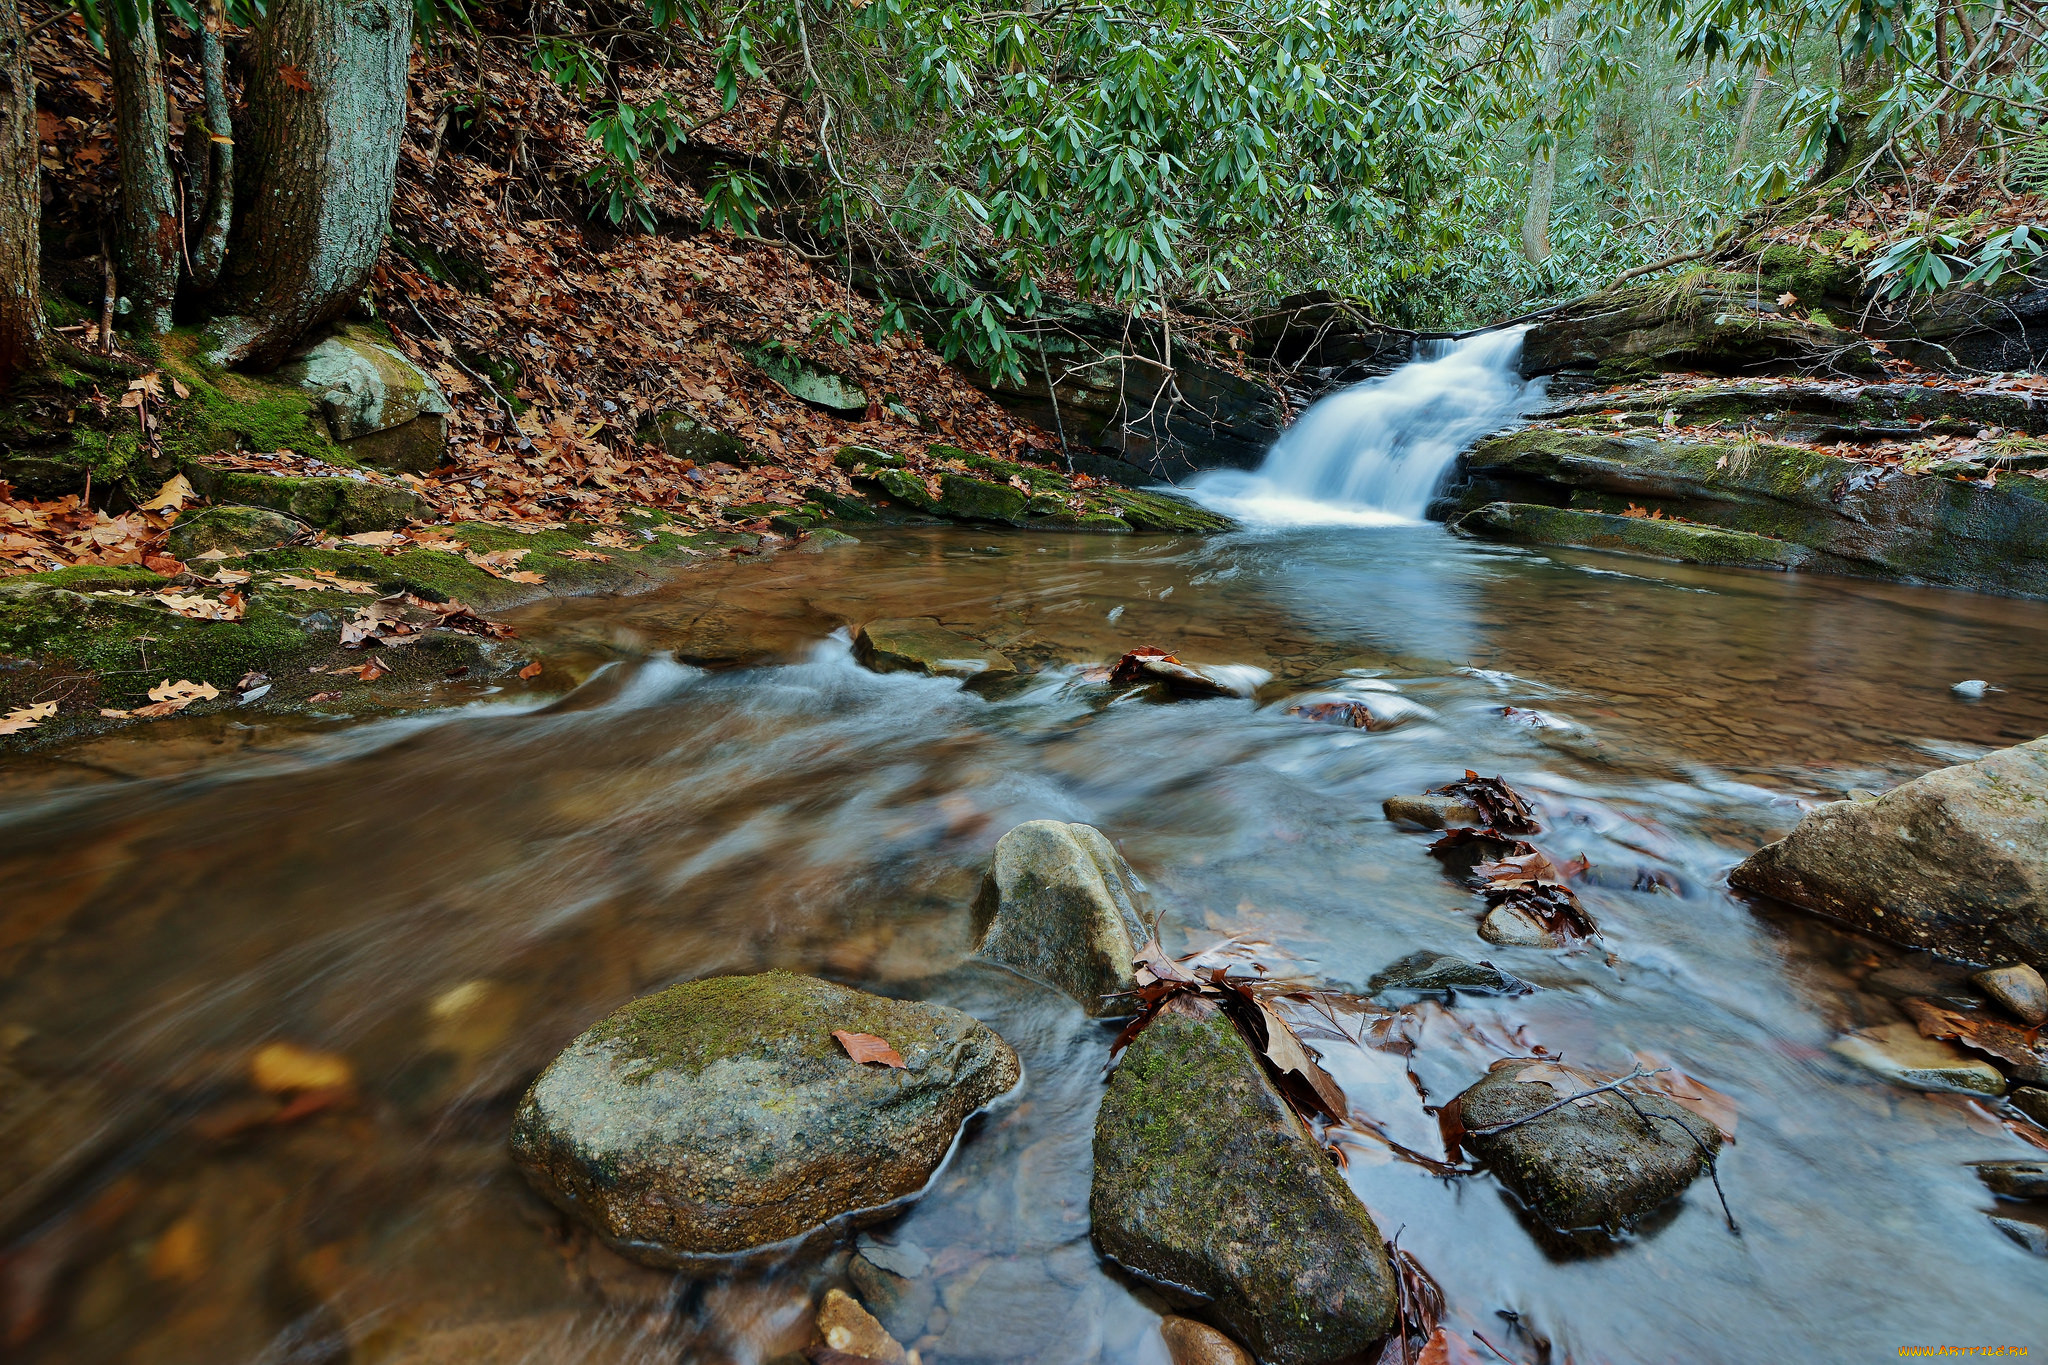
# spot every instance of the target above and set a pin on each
(1372, 454)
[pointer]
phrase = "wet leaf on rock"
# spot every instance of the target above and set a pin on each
(866, 1047)
(2017, 1048)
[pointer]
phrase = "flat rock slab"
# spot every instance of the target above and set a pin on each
(1956, 861)
(1206, 1182)
(1902, 1056)
(1060, 905)
(1441, 972)
(1600, 1163)
(919, 644)
(722, 1115)
(2014, 1179)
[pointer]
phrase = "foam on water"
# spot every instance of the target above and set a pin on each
(1373, 454)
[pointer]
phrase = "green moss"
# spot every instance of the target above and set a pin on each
(686, 1028)
(1811, 275)
(230, 411)
(339, 504)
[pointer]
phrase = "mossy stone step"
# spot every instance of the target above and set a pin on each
(340, 504)
(1660, 538)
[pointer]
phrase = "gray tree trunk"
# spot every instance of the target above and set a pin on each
(1738, 155)
(211, 202)
(147, 233)
(1543, 169)
(326, 97)
(22, 331)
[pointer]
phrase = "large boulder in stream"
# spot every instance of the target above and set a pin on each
(1060, 905)
(1600, 1162)
(723, 1115)
(1955, 861)
(1206, 1182)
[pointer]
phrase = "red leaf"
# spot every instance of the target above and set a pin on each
(294, 76)
(866, 1047)
(532, 670)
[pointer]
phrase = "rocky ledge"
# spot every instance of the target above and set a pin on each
(723, 1115)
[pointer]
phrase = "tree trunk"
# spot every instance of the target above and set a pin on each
(326, 100)
(22, 335)
(1738, 155)
(1542, 168)
(211, 203)
(1850, 143)
(148, 229)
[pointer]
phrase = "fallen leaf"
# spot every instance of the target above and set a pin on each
(1445, 1348)
(173, 495)
(1787, 299)
(202, 608)
(27, 717)
(325, 696)
(283, 1068)
(866, 1047)
(378, 539)
(373, 668)
(115, 713)
(178, 695)
(591, 555)
(532, 670)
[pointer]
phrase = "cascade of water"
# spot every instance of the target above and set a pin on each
(1373, 454)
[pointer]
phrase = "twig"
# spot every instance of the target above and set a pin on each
(1637, 1075)
(1665, 264)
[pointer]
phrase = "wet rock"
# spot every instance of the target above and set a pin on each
(1898, 1053)
(1687, 543)
(2019, 989)
(843, 1325)
(1601, 1164)
(1711, 321)
(342, 505)
(1195, 1343)
(2032, 1236)
(1060, 905)
(686, 438)
(2032, 1101)
(895, 1282)
(236, 530)
(811, 383)
(1148, 666)
(722, 1115)
(1511, 926)
(1427, 971)
(2014, 1179)
(1206, 1181)
(1956, 861)
(1433, 811)
(825, 538)
(385, 410)
(919, 644)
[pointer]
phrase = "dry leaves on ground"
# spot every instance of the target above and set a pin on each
(230, 607)
(866, 1047)
(168, 698)
(27, 717)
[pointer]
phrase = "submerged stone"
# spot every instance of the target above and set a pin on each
(1427, 971)
(1197, 1343)
(1060, 905)
(1432, 810)
(1511, 926)
(2014, 1179)
(722, 1115)
(919, 644)
(1602, 1163)
(1205, 1181)
(1902, 1056)
(1955, 861)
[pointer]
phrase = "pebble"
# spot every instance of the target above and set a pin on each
(1196, 1343)
(2020, 989)
(1898, 1053)
(847, 1327)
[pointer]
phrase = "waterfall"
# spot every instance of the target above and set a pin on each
(1372, 454)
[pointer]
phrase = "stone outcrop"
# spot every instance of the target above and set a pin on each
(808, 382)
(1760, 503)
(234, 530)
(335, 503)
(1706, 320)
(686, 438)
(1001, 493)
(1955, 861)
(1602, 1164)
(1207, 1183)
(1061, 906)
(722, 1115)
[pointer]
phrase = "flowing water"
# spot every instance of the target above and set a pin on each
(438, 902)
(1372, 454)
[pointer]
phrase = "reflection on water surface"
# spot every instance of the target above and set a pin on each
(444, 901)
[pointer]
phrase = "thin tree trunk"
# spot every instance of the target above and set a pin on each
(1850, 144)
(326, 100)
(1738, 155)
(23, 338)
(211, 154)
(1542, 168)
(147, 242)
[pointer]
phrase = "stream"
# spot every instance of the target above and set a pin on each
(442, 900)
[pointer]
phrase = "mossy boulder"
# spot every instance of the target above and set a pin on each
(1707, 320)
(234, 530)
(1858, 519)
(1207, 1184)
(721, 1116)
(1599, 1164)
(336, 503)
(686, 438)
(1060, 905)
(1685, 542)
(1955, 861)
(387, 410)
(919, 644)
(810, 382)
(1002, 493)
